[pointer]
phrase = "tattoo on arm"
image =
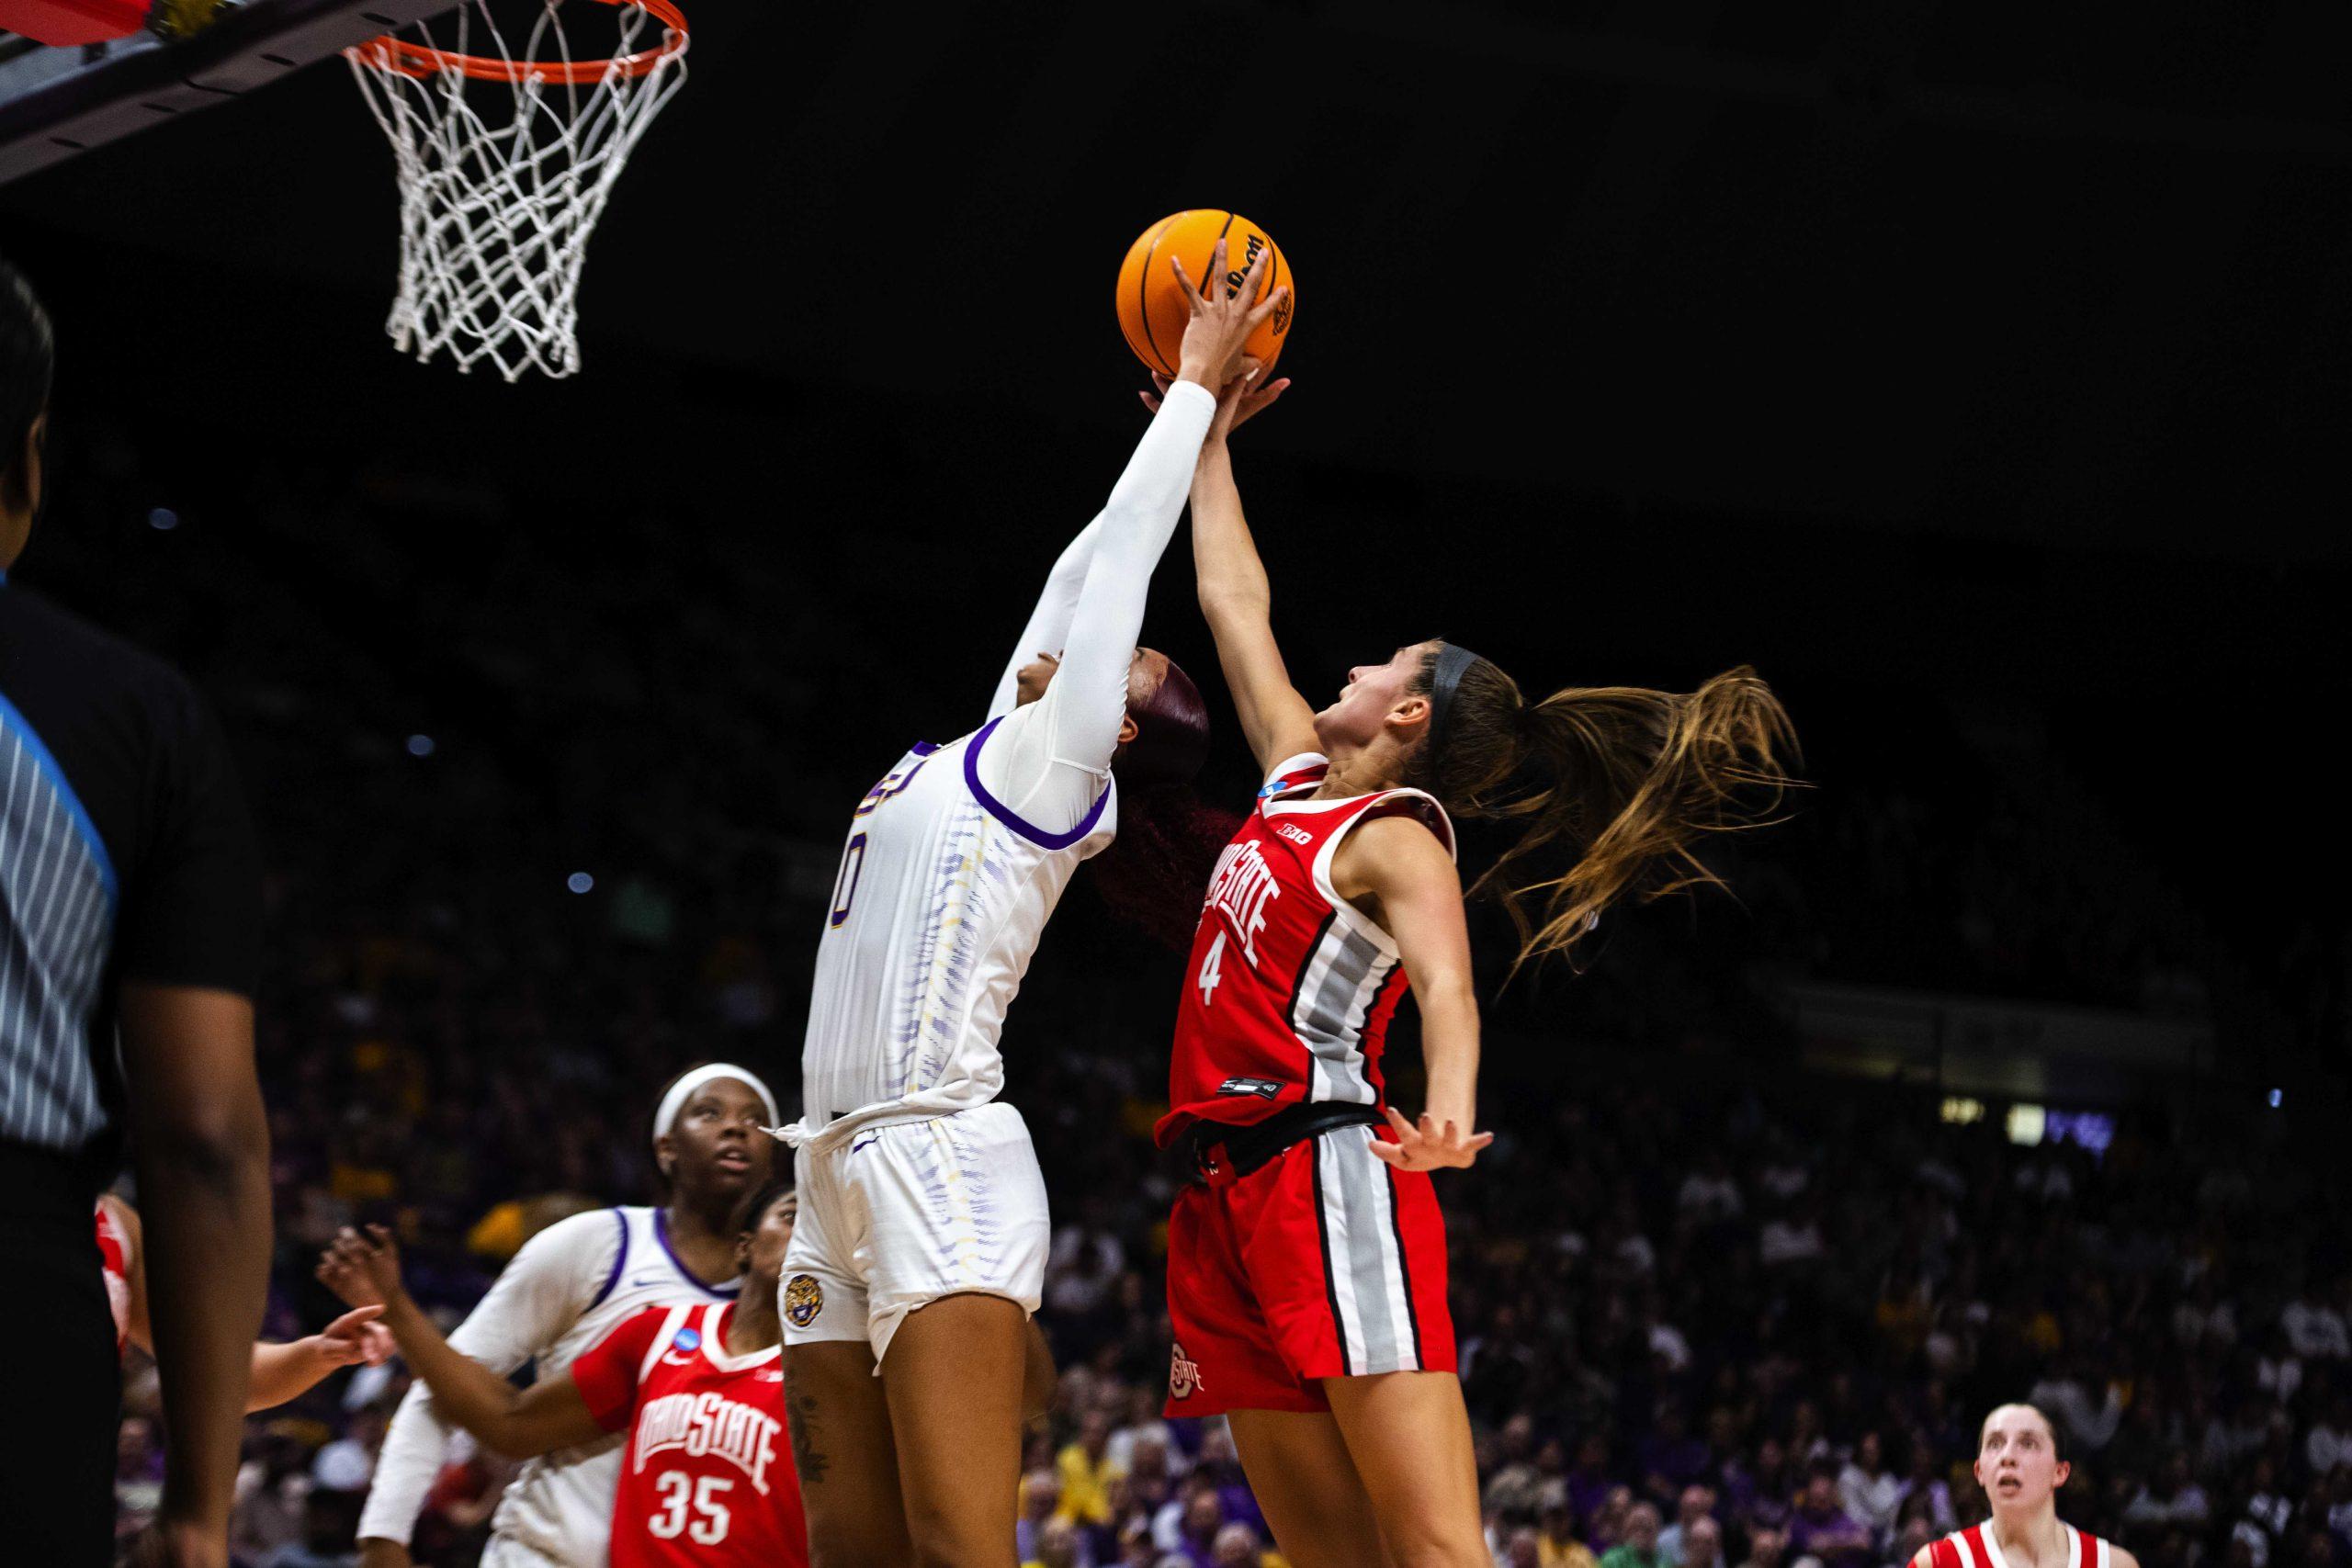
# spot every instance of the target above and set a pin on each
(800, 1422)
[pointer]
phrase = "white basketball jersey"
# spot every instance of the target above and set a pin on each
(942, 896)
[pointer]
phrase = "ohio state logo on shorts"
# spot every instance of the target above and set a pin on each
(1183, 1375)
(803, 1300)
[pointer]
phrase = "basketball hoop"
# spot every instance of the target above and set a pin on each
(505, 161)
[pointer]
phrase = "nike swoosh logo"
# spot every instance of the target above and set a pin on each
(641, 1282)
(868, 1144)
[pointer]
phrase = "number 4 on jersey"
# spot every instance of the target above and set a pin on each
(1210, 972)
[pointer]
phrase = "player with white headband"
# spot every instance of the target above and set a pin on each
(567, 1287)
(922, 1242)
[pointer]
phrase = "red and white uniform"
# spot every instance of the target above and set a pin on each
(707, 1476)
(114, 1260)
(1326, 1261)
(1975, 1547)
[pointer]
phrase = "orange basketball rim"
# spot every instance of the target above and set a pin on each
(420, 61)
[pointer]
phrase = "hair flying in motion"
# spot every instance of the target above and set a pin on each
(1621, 782)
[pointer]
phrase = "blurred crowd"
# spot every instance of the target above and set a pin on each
(541, 830)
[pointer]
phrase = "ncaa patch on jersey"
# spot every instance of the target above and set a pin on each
(688, 1339)
(1264, 1089)
(803, 1300)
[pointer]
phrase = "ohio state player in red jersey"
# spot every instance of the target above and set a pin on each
(1306, 1267)
(706, 1477)
(280, 1371)
(2022, 1463)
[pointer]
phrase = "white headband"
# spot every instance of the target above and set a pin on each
(676, 1101)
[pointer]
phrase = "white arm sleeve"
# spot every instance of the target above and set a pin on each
(1049, 626)
(542, 1293)
(1047, 762)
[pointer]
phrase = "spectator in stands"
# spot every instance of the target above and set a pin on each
(1869, 1490)
(1822, 1527)
(1639, 1549)
(1767, 1548)
(1697, 1504)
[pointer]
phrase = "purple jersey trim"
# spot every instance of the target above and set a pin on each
(925, 748)
(1004, 813)
(662, 1235)
(620, 1261)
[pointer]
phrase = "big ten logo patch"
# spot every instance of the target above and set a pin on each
(804, 1298)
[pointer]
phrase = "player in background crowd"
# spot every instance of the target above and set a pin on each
(568, 1287)
(708, 1478)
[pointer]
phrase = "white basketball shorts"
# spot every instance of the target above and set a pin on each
(899, 1216)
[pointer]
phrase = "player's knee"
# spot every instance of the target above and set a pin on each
(1425, 1541)
(947, 1536)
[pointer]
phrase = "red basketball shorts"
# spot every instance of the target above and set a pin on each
(1324, 1262)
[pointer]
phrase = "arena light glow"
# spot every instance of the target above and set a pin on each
(580, 882)
(2027, 1124)
(1958, 1111)
(420, 745)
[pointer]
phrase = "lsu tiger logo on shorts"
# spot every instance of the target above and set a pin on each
(1183, 1374)
(803, 1300)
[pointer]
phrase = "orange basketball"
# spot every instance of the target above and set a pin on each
(1152, 311)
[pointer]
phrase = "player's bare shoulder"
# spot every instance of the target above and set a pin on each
(2121, 1557)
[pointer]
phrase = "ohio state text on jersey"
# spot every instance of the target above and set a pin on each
(1290, 988)
(706, 1477)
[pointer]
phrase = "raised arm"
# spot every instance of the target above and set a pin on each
(1049, 627)
(1053, 761)
(1396, 871)
(517, 1422)
(541, 1293)
(1236, 596)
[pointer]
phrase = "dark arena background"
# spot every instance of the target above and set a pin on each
(1981, 376)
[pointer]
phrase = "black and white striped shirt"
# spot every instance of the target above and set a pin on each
(125, 854)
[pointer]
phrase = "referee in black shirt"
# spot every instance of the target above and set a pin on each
(129, 908)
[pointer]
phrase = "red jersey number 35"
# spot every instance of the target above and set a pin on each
(690, 1506)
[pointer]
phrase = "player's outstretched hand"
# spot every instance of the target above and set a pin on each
(1222, 317)
(365, 1271)
(1236, 405)
(1430, 1145)
(356, 1336)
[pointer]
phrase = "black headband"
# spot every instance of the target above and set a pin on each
(1452, 658)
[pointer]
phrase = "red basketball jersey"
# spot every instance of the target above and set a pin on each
(1290, 988)
(707, 1478)
(1975, 1547)
(114, 1263)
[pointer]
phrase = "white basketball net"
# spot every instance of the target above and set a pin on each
(502, 182)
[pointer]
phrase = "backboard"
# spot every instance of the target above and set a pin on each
(55, 103)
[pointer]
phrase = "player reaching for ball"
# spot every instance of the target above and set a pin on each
(708, 1478)
(1306, 1267)
(2022, 1463)
(568, 1288)
(921, 1244)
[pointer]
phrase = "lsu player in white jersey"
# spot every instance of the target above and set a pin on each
(568, 1287)
(922, 1242)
